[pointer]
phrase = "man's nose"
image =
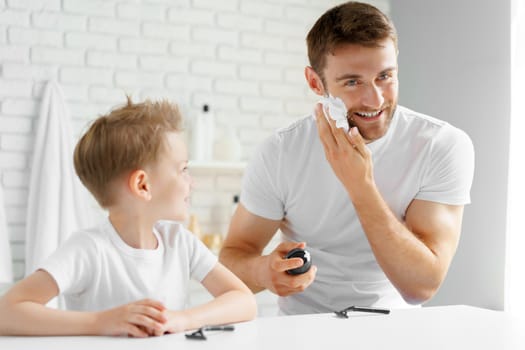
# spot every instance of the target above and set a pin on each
(373, 97)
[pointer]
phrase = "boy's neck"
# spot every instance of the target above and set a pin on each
(135, 231)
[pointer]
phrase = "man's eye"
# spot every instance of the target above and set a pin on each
(351, 82)
(384, 76)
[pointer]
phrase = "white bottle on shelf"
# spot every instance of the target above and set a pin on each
(203, 135)
(228, 148)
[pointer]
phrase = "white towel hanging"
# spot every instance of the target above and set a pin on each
(58, 203)
(6, 267)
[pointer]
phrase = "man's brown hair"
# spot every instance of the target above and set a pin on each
(126, 139)
(348, 23)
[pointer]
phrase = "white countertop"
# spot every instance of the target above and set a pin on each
(439, 328)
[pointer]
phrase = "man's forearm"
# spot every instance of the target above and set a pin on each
(244, 264)
(410, 264)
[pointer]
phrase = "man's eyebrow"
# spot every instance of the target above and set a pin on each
(387, 70)
(357, 76)
(347, 76)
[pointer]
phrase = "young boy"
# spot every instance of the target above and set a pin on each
(129, 275)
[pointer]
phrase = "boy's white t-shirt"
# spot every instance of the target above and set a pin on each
(289, 179)
(96, 270)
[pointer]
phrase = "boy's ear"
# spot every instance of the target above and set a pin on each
(314, 80)
(139, 185)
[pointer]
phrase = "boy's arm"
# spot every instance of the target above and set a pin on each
(233, 302)
(23, 312)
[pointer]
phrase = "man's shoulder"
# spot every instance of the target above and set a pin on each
(288, 137)
(297, 128)
(423, 126)
(410, 116)
(296, 134)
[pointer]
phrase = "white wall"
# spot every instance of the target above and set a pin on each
(455, 65)
(243, 57)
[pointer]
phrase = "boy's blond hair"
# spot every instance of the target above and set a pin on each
(126, 139)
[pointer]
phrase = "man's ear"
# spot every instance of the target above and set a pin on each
(138, 183)
(314, 81)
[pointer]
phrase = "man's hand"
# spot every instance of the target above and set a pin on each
(140, 319)
(347, 153)
(273, 274)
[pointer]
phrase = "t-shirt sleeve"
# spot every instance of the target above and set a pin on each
(448, 177)
(260, 192)
(202, 260)
(69, 265)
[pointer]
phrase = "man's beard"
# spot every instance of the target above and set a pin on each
(391, 109)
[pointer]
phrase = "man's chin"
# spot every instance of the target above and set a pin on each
(373, 130)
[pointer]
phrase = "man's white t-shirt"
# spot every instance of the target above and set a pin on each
(289, 179)
(96, 270)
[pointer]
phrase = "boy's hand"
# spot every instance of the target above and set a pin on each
(141, 319)
(177, 322)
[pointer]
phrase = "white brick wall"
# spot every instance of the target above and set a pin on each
(243, 57)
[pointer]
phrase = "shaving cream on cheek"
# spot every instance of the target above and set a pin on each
(334, 108)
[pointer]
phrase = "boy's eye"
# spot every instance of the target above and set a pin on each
(351, 82)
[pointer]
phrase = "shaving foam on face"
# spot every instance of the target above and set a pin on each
(335, 108)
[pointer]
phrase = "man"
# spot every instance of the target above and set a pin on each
(379, 208)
